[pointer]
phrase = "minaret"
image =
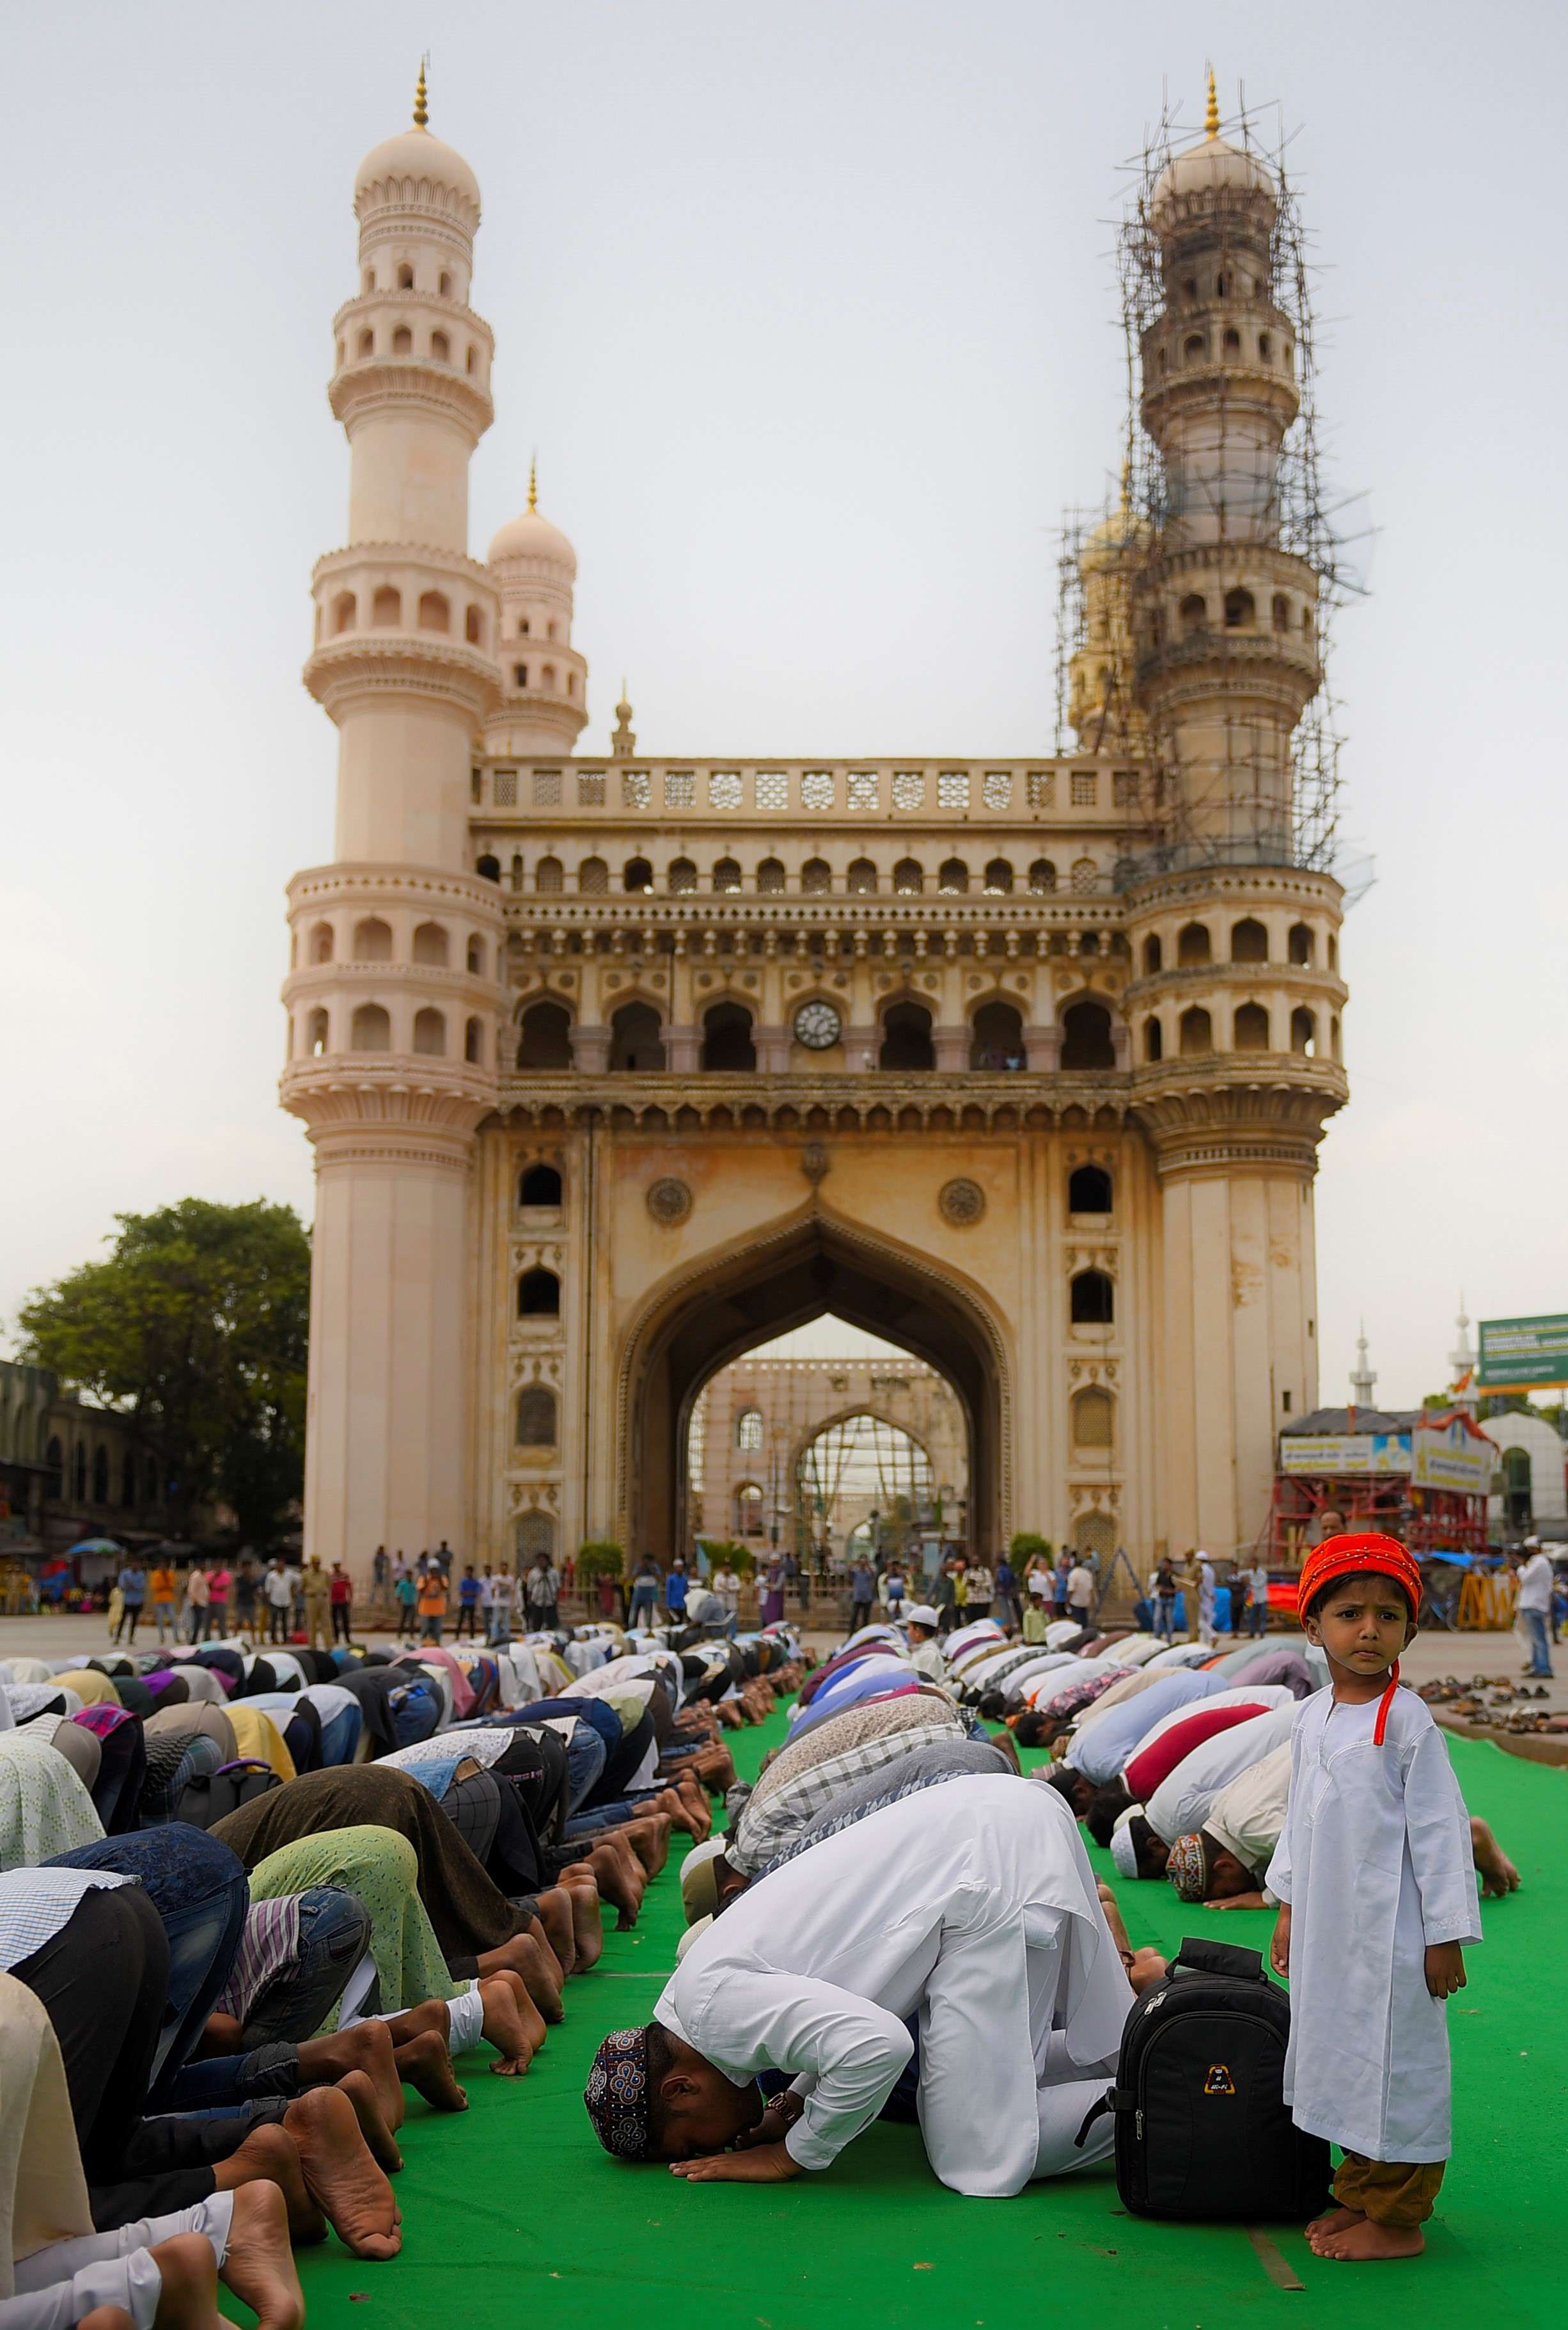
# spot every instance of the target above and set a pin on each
(1463, 1361)
(1101, 704)
(391, 994)
(544, 703)
(1363, 1378)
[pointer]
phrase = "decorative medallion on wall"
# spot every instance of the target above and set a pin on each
(960, 1203)
(814, 1161)
(669, 1201)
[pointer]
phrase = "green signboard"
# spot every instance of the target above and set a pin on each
(1518, 1354)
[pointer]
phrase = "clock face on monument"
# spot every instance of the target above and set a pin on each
(817, 1025)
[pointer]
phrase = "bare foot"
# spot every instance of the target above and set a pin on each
(1333, 2221)
(1147, 1967)
(586, 1925)
(522, 1956)
(259, 2263)
(1367, 2243)
(271, 2154)
(188, 2273)
(362, 2093)
(425, 2066)
(554, 1913)
(1498, 1875)
(343, 2179)
(503, 1997)
(365, 2047)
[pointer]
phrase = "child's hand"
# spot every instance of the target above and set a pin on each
(1445, 1968)
(1280, 1947)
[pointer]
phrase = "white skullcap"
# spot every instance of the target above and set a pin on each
(1123, 1852)
(921, 1613)
(690, 1936)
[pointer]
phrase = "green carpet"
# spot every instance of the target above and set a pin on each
(512, 2213)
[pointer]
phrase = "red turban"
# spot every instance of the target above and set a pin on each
(1358, 1557)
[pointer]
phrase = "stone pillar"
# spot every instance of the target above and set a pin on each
(952, 1046)
(772, 1050)
(590, 1050)
(683, 1048)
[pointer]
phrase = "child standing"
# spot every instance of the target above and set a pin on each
(1374, 1871)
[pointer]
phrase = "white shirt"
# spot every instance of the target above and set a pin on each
(1535, 1584)
(1181, 1803)
(277, 1590)
(1248, 1814)
(1080, 1587)
(1376, 1863)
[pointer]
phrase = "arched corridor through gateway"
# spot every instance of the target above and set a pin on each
(692, 1329)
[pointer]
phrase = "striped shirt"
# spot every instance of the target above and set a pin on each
(270, 1942)
(765, 1828)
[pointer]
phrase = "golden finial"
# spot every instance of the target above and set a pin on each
(422, 110)
(534, 481)
(1212, 118)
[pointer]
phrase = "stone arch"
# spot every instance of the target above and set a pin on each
(757, 1286)
(545, 1034)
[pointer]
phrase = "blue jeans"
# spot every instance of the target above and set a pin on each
(1164, 1617)
(1534, 1626)
(334, 1935)
(642, 1611)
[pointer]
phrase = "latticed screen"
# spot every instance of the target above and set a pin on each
(816, 789)
(1042, 785)
(953, 789)
(997, 789)
(590, 790)
(547, 788)
(680, 788)
(772, 788)
(724, 789)
(505, 788)
(861, 787)
(909, 789)
(1085, 788)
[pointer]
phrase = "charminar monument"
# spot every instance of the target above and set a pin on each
(617, 1065)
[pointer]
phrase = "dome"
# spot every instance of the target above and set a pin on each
(1212, 166)
(415, 154)
(529, 536)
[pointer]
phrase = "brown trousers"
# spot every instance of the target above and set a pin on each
(1396, 2192)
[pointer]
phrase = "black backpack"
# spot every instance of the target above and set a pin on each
(212, 1796)
(1202, 2127)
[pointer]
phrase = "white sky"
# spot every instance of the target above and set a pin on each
(811, 316)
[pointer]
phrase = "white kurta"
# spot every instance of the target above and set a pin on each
(1376, 1863)
(973, 1903)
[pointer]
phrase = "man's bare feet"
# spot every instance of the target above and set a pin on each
(425, 2064)
(586, 1925)
(1498, 1875)
(361, 2092)
(259, 2263)
(504, 1999)
(554, 1913)
(364, 2047)
(648, 1837)
(343, 2179)
(188, 2273)
(1147, 1967)
(1368, 2243)
(522, 1956)
(1333, 2221)
(271, 2154)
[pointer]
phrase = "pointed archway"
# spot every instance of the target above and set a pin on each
(760, 1287)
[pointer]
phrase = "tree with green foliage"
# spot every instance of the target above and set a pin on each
(1025, 1546)
(196, 1328)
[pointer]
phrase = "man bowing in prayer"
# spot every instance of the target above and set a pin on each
(971, 1905)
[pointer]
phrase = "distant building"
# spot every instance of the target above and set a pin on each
(1531, 1490)
(70, 1471)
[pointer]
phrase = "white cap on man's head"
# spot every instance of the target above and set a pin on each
(921, 1614)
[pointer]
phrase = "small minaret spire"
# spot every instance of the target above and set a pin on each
(1363, 1378)
(422, 110)
(1212, 118)
(534, 481)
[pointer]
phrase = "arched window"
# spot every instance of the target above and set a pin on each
(1153, 1040)
(79, 1473)
(345, 611)
(1334, 1038)
(1153, 957)
(1084, 876)
(683, 875)
(727, 1044)
(536, 1418)
(748, 1510)
(444, 284)
(637, 876)
(748, 1428)
(547, 678)
(952, 877)
(476, 958)
(405, 278)
(540, 1185)
(1265, 348)
(1303, 1032)
(517, 869)
(1041, 877)
(520, 674)
(434, 612)
(1249, 941)
(1233, 341)
(816, 878)
(317, 1033)
(371, 1030)
(636, 1042)
(1193, 945)
(593, 878)
(53, 1468)
(998, 1038)
(487, 867)
(545, 1041)
(1088, 1190)
(549, 877)
(128, 1479)
(998, 878)
(101, 1475)
(726, 874)
(430, 1032)
(386, 609)
(909, 878)
(441, 348)
(322, 942)
(1093, 1418)
(1092, 1300)
(1192, 612)
(1239, 610)
(366, 345)
(1197, 1034)
(474, 1042)
(1252, 1028)
(539, 1295)
(430, 943)
(474, 626)
(373, 940)
(1333, 952)
(861, 880)
(770, 879)
(1086, 1037)
(1280, 612)
(1194, 347)
(906, 1037)
(1301, 944)
(402, 341)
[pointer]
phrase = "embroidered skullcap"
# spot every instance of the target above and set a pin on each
(617, 2094)
(1188, 1868)
(1123, 1849)
(1354, 1555)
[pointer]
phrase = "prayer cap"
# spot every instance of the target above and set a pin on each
(1123, 1851)
(1354, 1555)
(692, 1934)
(617, 2094)
(699, 1879)
(921, 1614)
(1188, 1868)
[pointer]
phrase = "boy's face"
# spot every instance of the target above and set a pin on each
(1363, 1623)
